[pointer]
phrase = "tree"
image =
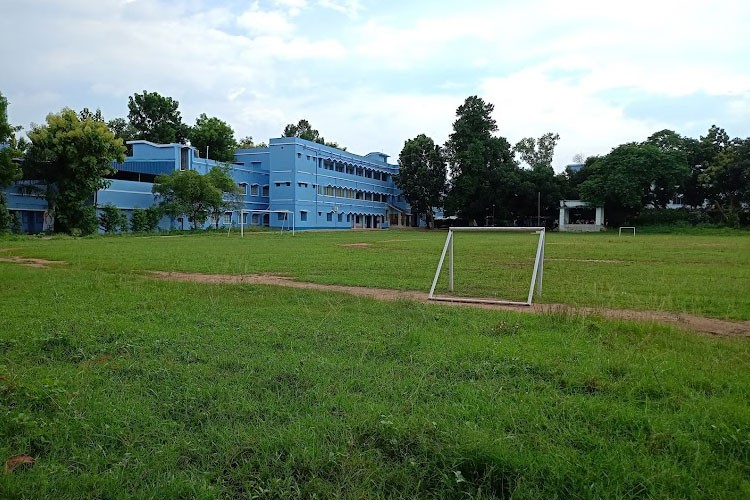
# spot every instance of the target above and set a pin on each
(726, 180)
(71, 157)
(9, 168)
(122, 129)
(248, 143)
(633, 176)
(213, 136)
(537, 154)
(198, 196)
(111, 219)
(145, 221)
(220, 179)
(304, 130)
(483, 171)
(155, 118)
(422, 175)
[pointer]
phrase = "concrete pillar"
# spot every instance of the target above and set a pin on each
(562, 220)
(600, 216)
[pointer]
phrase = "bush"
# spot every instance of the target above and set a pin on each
(111, 219)
(5, 217)
(145, 221)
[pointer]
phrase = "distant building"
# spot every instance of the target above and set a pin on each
(317, 186)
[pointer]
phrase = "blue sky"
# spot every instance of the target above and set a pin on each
(371, 74)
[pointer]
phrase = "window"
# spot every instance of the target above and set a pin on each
(227, 217)
(243, 188)
(281, 216)
(303, 215)
(264, 191)
(244, 219)
(341, 217)
(302, 184)
(254, 190)
(329, 216)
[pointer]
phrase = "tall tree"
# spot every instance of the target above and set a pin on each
(633, 176)
(422, 175)
(122, 129)
(9, 169)
(304, 130)
(248, 143)
(214, 134)
(156, 118)
(482, 167)
(726, 180)
(71, 157)
(537, 153)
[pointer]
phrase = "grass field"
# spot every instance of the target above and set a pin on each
(120, 385)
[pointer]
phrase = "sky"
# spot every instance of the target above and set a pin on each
(371, 74)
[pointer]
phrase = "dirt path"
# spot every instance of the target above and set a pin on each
(686, 321)
(38, 263)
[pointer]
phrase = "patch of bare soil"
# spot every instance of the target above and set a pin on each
(38, 263)
(685, 321)
(355, 245)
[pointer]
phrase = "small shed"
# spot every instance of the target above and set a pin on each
(577, 215)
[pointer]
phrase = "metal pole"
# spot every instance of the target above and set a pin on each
(450, 266)
(538, 208)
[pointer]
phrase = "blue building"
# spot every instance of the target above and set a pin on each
(292, 181)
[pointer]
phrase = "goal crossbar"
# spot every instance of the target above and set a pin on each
(536, 276)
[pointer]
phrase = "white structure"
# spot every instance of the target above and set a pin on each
(536, 275)
(578, 224)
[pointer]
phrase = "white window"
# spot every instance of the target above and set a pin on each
(227, 217)
(254, 190)
(243, 188)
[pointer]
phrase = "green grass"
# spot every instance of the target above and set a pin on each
(122, 386)
(707, 275)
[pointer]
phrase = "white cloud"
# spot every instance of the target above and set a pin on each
(257, 22)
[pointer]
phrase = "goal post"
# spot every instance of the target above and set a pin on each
(288, 222)
(536, 276)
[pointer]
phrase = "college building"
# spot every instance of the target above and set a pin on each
(292, 182)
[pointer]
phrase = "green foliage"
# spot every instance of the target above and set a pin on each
(112, 219)
(633, 176)
(156, 118)
(122, 129)
(727, 180)
(9, 169)
(145, 220)
(193, 390)
(220, 178)
(537, 154)
(197, 196)
(422, 175)
(214, 134)
(483, 171)
(72, 157)
(5, 217)
(304, 130)
(673, 216)
(248, 143)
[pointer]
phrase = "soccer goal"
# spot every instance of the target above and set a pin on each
(287, 217)
(536, 276)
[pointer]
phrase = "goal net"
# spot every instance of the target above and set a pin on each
(487, 274)
(284, 219)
